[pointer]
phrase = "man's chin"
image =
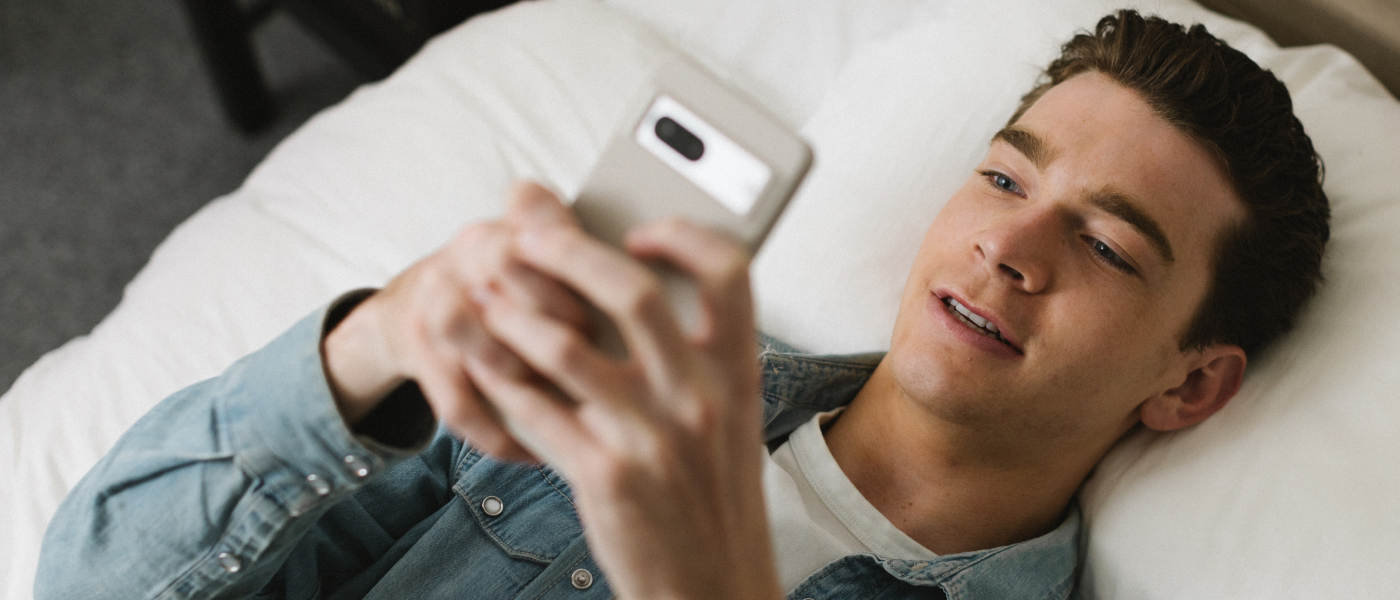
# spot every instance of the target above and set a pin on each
(951, 390)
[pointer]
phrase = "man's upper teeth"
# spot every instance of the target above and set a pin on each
(971, 316)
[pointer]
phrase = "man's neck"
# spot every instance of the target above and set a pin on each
(950, 489)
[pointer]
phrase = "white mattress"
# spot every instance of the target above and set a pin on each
(1291, 492)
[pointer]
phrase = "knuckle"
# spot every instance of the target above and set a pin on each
(703, 419)
(730, 263)
(671, 447)
(433, 281)
(732, 274)
(531, 189)
(562, 241)
(470, 236)
(616, 473)
(434, 320)
(566, 353)
(431, 274)
(478, 239)
(642, 296)
(423, 325)
(530, 196)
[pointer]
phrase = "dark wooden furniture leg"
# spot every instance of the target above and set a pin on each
(374, 36)
(222, 29)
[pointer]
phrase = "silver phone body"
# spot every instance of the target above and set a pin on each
(635, 181)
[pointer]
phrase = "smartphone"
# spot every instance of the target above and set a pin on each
(698, 149)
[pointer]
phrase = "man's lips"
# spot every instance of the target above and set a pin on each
(978, 321)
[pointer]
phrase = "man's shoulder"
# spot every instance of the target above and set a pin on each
(797, 384)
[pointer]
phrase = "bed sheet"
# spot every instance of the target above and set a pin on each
(1290, 492)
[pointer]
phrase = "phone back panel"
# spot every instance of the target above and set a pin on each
(631, 184)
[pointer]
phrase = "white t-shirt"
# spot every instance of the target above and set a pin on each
(817, 515)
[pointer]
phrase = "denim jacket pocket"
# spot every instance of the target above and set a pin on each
(526, 509)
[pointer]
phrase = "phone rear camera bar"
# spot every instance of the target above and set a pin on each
(680, 138)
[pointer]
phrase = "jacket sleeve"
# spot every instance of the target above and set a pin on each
(208, 494)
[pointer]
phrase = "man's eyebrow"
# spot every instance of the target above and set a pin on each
(1040, 153)
(1125, 208)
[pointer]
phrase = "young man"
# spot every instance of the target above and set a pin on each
(1150, 216)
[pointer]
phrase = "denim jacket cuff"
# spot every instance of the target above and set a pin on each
(284, 427)
(402, 422)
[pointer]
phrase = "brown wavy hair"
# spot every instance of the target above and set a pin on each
(1268, 265)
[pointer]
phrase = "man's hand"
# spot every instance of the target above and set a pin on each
(663, 447)
(424, 323)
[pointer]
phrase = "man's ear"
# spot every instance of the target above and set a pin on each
(1215, 375)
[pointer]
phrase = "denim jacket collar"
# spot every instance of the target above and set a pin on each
(797, 386)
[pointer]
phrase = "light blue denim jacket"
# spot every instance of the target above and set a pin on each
(249, 485)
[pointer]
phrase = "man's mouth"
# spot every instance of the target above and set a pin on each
(976, 323)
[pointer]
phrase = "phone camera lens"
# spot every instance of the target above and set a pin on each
(679, 138)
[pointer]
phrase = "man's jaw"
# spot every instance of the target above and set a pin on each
(978, 320)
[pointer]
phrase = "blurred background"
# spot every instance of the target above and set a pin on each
(111, 133)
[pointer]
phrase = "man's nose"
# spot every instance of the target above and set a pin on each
(1021, 248)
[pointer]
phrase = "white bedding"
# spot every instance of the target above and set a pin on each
(1292, 491)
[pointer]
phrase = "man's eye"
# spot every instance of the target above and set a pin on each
(1106, 254)
(1003, 182)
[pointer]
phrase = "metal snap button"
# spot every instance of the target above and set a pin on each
(581, 579)
(318, 485)
(492, 506)
(357, 465)
(230, 562)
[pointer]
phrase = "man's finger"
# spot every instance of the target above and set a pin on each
(552, 349)
(480, 256)
(617, 284)
(457, 405)
(718, 264)
(533, 290)
(543, 423)
(532, 205)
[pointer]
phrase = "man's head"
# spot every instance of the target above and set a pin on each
(1269, 264)
(1151, 214)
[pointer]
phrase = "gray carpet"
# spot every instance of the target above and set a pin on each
(110, 135)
